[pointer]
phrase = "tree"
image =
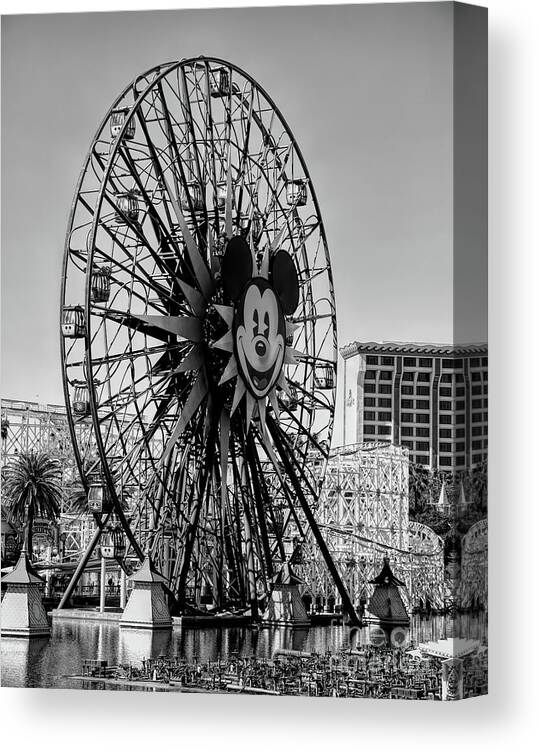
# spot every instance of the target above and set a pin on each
(32, 488)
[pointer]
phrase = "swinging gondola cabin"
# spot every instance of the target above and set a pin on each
(127, 207)
(219, 82)
(72, 322)
(221, 195)
(324, 377)
(113, 543)
(99, 499)
(296, 192)
(251, 227)
(100, 285)
(191, 198)
(81, 399)
(117, 121)
(291, 400)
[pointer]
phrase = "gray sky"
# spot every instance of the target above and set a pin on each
(367, 91)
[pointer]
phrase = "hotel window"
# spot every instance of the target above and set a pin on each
(457, 363)
(485, 402)
(422, 446)
(424, 433)
(406, 389)
(370, 415)
(384, 416)
(407, 431)
(369, 429)
(477, 418)
(476, 390)
(448, 363)
(459, 405)
(445, 447)
(384, 388)
(422, 405)
(422, 418)
(425, 362)
(477, 431)
(384, 402)
(370, 375)
(476, 444)
(370, 401)
(421, 459)
(387, 361)
(485, 376)
(408, 376)
(445, 433)
(475, 362)
(460, 447)
(476, 376)
(445, 461)
(461, 460)
(408, 444)
(445, 391)
(476, 458)
(460, 391)
(384, 430)
(372, 360)
(423, 391)
(407, 404)
(460, 433)
(369, 388)
(446, 378)
(409, 362)
(459, 376)
(445, 419)
(485, 388)
(477, 403)
(423, 376)
(484, 361)
(386, 375)
(445, 405)
(407, 417)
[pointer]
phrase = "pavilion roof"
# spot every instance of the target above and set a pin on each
(23, 573)
(147, 572)
(386, 577)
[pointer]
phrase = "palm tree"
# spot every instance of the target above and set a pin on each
(32, 488)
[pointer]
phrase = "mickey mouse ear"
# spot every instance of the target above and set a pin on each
(285, 281)
(236, 267)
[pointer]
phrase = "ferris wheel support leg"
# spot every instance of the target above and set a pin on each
(343, 592)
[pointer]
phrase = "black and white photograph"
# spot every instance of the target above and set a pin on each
(244, 402)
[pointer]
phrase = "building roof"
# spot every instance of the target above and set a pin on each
(23, 573)
(413, 348)
(386, 577)
(147, 572)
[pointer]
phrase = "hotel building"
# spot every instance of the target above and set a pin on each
(432, 399)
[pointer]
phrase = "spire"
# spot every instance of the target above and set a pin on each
(442, 501)
(23, 573)
(386, 576)
(147, 572)
(463, 501)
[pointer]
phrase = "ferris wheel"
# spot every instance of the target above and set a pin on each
(199, 332)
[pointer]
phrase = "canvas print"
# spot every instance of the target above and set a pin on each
(244, 360)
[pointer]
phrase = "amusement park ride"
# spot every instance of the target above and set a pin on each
(199, 337)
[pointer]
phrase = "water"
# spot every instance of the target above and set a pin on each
(50, 662)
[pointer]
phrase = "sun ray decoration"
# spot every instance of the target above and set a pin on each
(199, 335)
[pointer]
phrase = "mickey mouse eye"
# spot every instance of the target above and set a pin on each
(266, 325)
(255, 321)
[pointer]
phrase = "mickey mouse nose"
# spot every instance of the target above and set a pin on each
(260, 348)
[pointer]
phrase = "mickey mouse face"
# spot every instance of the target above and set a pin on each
(259, 327)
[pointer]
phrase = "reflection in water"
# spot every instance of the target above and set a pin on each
(49, 663)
